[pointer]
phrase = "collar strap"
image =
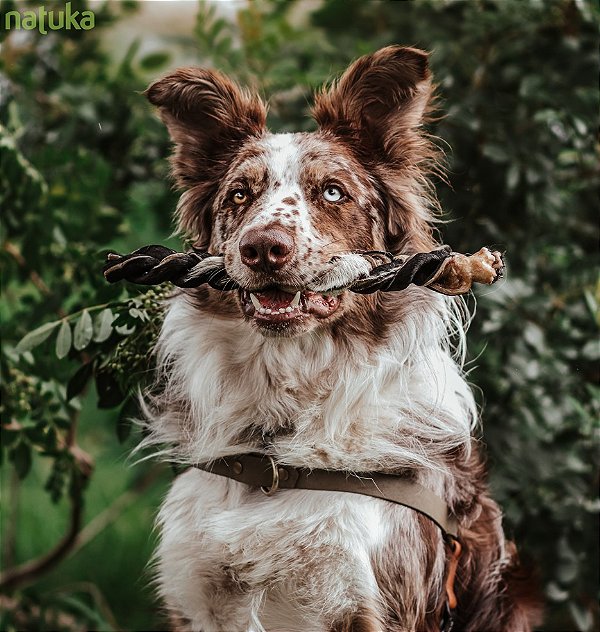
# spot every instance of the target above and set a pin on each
(263, 471)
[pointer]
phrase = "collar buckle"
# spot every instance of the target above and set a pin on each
(269, 491)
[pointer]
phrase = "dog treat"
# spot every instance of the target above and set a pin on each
(441, 270)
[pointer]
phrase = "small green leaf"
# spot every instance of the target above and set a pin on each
(109, 392)
(84, 329)
(63, 340)
(79, 380)
(28, 357)
(592, 305)
(580, 126)
(103, 325)
(512, 176)
(36, 337)
(8, 437)
(125, 330)
(153, 61)
(495, 153)
(38, 434)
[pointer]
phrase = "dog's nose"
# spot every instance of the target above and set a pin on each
(266, 249)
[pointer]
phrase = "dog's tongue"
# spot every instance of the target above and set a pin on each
(274, 299)
(279, 301)
(320, 305)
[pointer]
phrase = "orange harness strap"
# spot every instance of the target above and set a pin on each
(456, 550)
(447, 621)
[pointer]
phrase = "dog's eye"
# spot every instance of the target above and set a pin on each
(239, 196)
(333, 194)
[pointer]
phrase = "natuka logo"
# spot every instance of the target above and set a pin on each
(53, 20)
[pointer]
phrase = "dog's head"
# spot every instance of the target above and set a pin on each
(279, 207)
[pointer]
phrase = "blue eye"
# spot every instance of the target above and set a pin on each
(333, 194)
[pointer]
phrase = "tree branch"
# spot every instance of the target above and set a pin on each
(34, 277)
(29, 571)
(77, 537)
(102, 520)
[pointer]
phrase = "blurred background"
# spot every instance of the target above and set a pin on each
(84, 170)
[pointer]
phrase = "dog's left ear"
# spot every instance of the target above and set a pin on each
(376, 108)
(378, 101)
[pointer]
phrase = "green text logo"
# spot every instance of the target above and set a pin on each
(53, 20)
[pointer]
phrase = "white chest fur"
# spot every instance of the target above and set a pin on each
(231, 558)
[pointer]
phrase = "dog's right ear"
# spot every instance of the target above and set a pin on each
(208, 117)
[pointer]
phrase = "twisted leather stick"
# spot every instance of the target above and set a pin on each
(441, 270)
(152, 265)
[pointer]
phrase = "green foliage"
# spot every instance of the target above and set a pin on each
(78, 146)
(83, 171)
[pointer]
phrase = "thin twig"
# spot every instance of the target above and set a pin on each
(35, 278)
(99, 600)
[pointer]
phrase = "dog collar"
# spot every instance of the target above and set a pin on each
(264, 472)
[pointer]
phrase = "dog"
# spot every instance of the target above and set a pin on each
(319, 381)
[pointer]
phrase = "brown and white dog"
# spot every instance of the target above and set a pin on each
(350, 382)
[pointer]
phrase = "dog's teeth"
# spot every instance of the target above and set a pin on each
(296, 300)
(255, 301)
(289, 309)
(261, 310)
(267, 310)
(282, 310)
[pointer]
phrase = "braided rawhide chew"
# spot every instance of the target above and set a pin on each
(441, 270)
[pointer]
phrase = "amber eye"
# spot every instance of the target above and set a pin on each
(333, 193)
(239, 196)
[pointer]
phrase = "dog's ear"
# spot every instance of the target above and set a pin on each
(376, 108)
(208, 117)
(379, 100)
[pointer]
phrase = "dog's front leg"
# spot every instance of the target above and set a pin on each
(200, 588)
(228, 611)
(219, 609)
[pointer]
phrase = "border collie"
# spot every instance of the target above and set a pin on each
(358, 383)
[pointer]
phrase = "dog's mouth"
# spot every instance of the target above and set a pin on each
(274, 306)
